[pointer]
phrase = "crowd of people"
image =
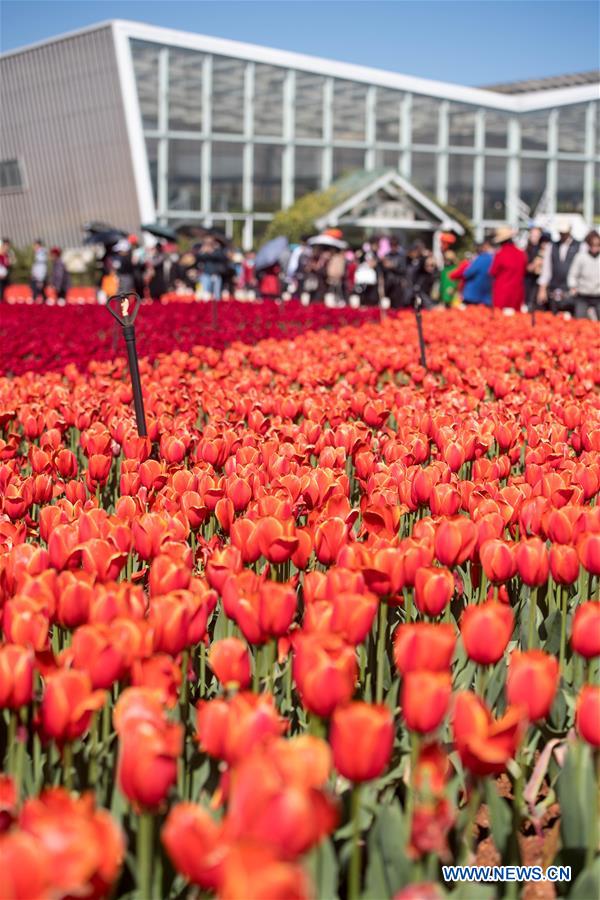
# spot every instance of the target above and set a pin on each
(561, 275)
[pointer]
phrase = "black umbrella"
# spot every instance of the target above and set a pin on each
(161, 231)
(101, 227)
(191, 229)
(108, 238)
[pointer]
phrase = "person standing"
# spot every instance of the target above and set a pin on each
(213, 260)
(478, 284)
(60, 279)
(39, 270)
(584, 279)
(394, 274)
(7, 261)
(507, 271)
(557, 261)
(535, 248)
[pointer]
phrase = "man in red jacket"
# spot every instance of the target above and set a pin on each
(508, 272)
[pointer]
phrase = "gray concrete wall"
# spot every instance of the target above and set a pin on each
(62, 116)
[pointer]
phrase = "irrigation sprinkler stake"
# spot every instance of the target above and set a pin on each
(128, 306)
(418, 304)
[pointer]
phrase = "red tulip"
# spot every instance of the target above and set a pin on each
(16, 676)
(230, 661)
(587, 714)
(484, 745)
(585, 630)
(532, 561)
(532, 682)
(362, 736)
(498, 560)
(455, 540)
(68, 705)
(434, 588)
(588, 548)
(325, 671)
(424, 646)
(486, 631)
(425, 699)
(564, 563)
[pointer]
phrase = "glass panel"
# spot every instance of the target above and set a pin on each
(386, 159)
(534, 131)
(308, 167)
(349, 110)
(309, 105)
(185, 90)
(259, 228)
(152, 151)
(267, 177)
(226, 182)
(423, 172)
(571, 129)
(460, 183)
(569, 191)
(494, 188)
(496, 129)
(387, 115)
(598, 129)
(183, 191)
(346, 159)
(533, 181)
(596, 194)
(425, 120)
(228, 95)
(145, 67)
(268, 100)
(461, 125)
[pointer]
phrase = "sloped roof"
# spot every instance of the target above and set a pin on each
(549, 83)
(357, 186)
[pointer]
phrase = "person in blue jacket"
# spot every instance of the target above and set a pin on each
(478, 284)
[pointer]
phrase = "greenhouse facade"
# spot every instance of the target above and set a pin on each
(171, 126)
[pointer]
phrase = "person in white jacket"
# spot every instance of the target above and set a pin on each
(584, 279)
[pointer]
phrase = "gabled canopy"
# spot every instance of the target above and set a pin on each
(383, 199)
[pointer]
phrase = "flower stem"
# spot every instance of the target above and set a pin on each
(564, 597)
(533, 595)
(381, 651)
(355, 859)
(68, 766)
(144, 855)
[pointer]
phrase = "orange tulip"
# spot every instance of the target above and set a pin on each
(16, 676)
(325, 671)
(423, 646)
(585, 630)
(25, 867)
(532, 561)
(147, 761)
(277, 539)
(196, 844)
(564, 563)
(83, 845)
(486, 631)
(434, 588)
(484, 745)
(159, 673)
(68, 705)
(93, 650)
(230, 661)
(229, 729)
(588, 548)
(76, 593)
(330, 536)
(424, 700)
(532, 682)
(252, 870)
(26, 622)
(498, 560)
(168, 573)
(587, 714)
(455, 540)
(361, 737)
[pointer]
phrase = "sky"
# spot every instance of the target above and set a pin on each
(473, 42)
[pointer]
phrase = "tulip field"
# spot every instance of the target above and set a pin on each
(332, 626)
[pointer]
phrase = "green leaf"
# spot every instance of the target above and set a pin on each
(323, 868)
(552, 627)
(588, 883)
(470, 891)
(500, 816)
(575, 788)
(388, 867)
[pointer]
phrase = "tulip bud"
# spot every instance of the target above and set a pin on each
(532, 682)
(434, 588)
(424, 700)
(486, 631)
(230, 661)
(587, 715)
(585, 633)
(361, 738)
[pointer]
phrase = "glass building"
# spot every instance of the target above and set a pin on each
(227, 133)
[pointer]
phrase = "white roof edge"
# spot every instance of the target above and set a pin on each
(445, 90)
(108, 23)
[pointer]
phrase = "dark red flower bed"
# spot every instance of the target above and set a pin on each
(42, 338)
